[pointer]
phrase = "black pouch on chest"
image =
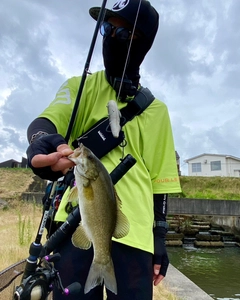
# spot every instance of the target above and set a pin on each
(99, 138)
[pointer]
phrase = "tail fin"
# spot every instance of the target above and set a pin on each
(99, 273)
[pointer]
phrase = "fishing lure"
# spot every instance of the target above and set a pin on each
(114, 118)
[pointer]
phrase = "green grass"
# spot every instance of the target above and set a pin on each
(15, 181)
(222, 188)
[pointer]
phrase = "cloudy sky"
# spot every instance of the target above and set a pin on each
(194, 67)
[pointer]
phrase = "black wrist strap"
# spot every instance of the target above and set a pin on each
(160, 224)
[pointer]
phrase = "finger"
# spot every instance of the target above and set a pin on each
(65, 171)
(66, 152)
(64, 149)
(158, 279)
(62, 164)
(156, 269)
(43, 160)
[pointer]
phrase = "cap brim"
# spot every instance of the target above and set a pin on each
(94, 13)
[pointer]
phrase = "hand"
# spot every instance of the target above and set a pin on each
(160, 257)
(47, 156)
(57, 160)
(157, 277)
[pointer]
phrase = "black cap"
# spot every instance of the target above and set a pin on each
(147, 21)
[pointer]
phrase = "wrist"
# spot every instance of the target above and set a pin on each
(160, 231)
(163, 224)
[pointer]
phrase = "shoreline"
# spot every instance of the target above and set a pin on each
(182, 286)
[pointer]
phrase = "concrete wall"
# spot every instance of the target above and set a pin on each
(208, 207)
(223, 212)
(230, 222)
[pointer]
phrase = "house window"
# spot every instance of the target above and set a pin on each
(196, 167)
(216, 165)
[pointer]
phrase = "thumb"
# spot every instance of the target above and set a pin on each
(64, 149)
(43, 160)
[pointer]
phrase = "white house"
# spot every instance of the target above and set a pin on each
(214, 165)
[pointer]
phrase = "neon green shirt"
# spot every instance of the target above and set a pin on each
(149, 141)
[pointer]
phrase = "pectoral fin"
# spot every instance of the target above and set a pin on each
(122, 225)
(73, 195)
(80, 239)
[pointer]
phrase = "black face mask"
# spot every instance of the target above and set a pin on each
(114, 55)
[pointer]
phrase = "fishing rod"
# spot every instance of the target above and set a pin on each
(36, 247)
(85, 70)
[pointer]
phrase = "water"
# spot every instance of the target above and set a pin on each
(214, 270)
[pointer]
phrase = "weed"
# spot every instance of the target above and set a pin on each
(24, 230)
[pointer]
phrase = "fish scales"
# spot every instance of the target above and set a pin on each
(101, 217)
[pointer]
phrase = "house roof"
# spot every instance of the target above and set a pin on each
(10, 160)
(210, 154)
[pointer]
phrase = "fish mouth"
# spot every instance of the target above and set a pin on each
(84, 161)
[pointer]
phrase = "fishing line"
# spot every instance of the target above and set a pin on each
(129, 48)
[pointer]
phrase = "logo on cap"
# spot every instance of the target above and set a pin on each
(119, 5)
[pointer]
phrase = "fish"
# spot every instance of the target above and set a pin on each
(114, 118)
(101, 216)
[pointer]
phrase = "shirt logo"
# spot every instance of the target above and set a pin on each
(63, 95)
(119, 5)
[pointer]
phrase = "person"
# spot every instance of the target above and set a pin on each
(140, 258)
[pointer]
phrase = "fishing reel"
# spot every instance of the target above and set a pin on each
(40, 284)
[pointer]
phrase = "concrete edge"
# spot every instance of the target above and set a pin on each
(182, 286)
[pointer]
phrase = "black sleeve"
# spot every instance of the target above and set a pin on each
(40, 124)
(160, 207)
